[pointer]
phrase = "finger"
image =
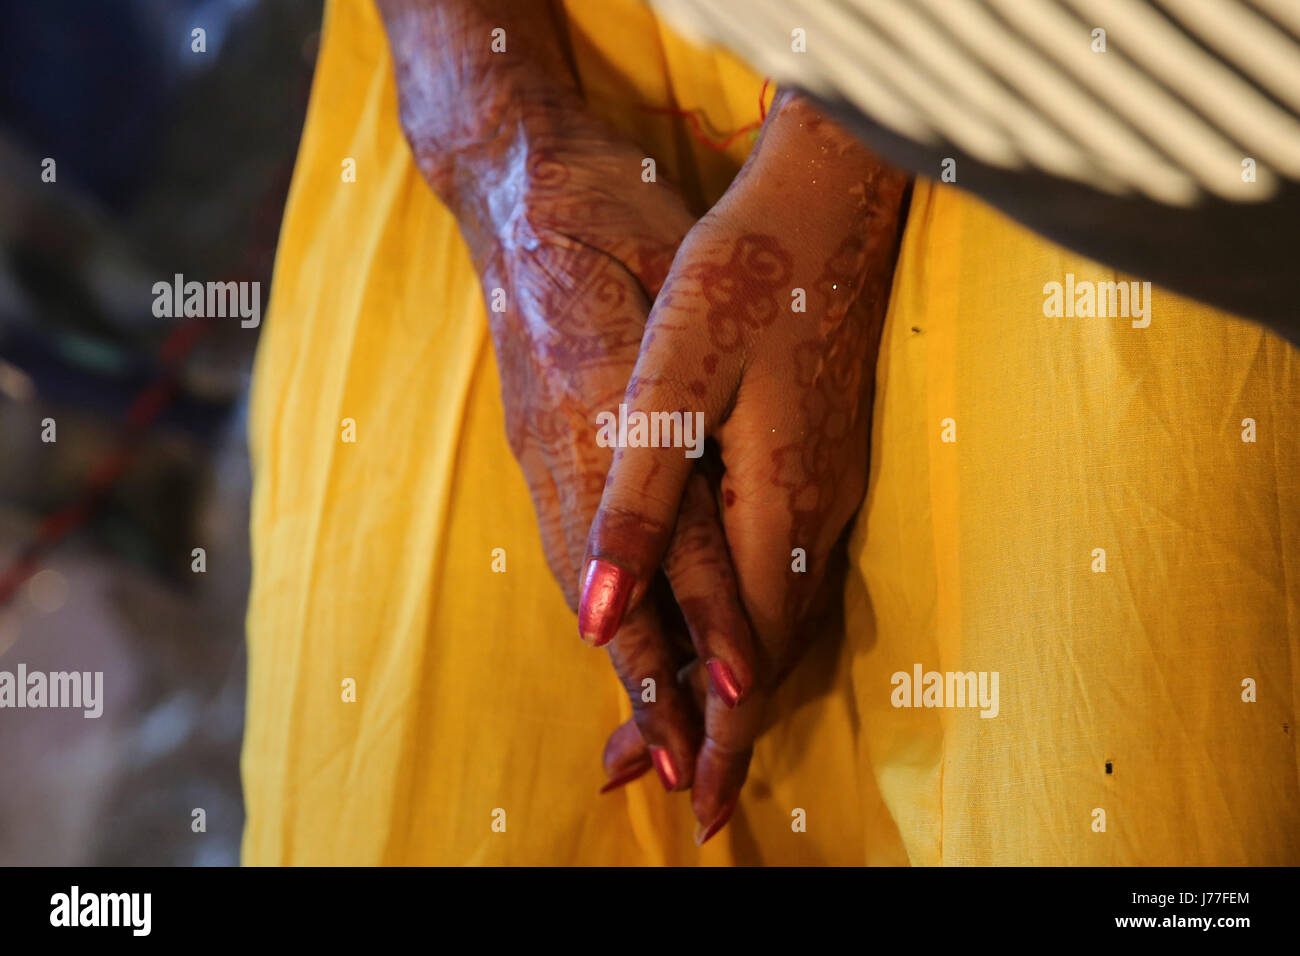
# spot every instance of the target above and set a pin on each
(729, 735)
(698, 566)
(724, 756)
(662, 423)
(626, 756)
(723, 760)
(666, 717)
(765, 521)
(695, 679)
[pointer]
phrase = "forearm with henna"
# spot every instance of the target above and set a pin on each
(571, 246)
(470, 96)
(498, 130)
(567, 241)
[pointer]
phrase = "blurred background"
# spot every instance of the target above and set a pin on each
(167, 160)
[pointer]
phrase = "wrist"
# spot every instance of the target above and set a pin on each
(476, 81)
(455, 155)
(489, 180)
(814, 178)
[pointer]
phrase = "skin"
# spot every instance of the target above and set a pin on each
(555, 214)
(786, 395)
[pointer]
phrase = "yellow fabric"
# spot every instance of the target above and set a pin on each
(1075, 434)
(373, 558)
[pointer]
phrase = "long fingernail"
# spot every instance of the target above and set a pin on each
(664, 765)
(604, 598)
(703, 833)
(627, 776)
(724, 682)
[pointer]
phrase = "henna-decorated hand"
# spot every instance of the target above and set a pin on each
(571, 246)
(812, 220)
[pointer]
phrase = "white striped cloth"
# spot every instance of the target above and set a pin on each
(1190, 98)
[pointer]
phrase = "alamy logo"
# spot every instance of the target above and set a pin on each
(75, 908)
(58, 689)
(211, 300)
(1103, 300)
(651, 430)
(946, 689)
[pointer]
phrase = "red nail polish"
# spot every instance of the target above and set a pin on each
(664, 765)
(703, 833)
(724, 682)
(604, 599)
(626, 776)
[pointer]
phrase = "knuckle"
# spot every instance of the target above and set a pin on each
(626, 519)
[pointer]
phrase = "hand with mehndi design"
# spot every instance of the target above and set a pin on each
(787, 398)
(573, 246)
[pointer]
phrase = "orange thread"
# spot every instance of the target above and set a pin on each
(697, 126)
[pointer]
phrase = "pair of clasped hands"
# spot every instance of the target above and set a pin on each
(702, 575)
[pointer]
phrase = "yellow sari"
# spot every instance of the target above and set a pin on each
(408, 703)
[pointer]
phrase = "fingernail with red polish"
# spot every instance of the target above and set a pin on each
(664, 765)
(626, 776)
(605, 591)
(724, 682)
(703, 833)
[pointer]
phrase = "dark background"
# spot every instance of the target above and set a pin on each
(168, 160)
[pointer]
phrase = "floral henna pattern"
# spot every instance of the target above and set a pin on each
(739, 294)
(835, 372)
(733, 289)
(736, 287)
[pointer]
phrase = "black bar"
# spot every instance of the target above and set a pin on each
(976, 906)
